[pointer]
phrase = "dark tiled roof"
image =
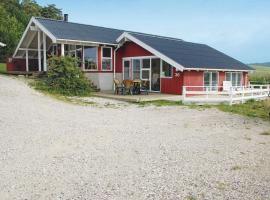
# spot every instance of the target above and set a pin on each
(75, 31)
(187, 54)
(192, 55)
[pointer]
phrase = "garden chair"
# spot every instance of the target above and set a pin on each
(119, 88)
(144, 87)
(128, 86)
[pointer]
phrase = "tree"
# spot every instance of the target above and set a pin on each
(14, 17)
(52, 12)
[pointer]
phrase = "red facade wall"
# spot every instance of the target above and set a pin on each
(16, 64)
(245, 78)
(129, 49)
(173, 85)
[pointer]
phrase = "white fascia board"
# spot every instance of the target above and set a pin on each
(231, 70)
(150, 49)
(41, 27)
(24, 34)
(2, 44)
(82, 42)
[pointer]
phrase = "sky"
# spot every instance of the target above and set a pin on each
(239, 28)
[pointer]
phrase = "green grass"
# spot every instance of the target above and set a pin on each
(265, 133)
(259, 109)
(3, 67)
(160, 103)
(261, 75)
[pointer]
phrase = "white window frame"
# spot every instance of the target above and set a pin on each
(123, 68)
(106, 58)
(210, 81)
(145, 69)
(161, 72)
(89, 70)
(241, 81)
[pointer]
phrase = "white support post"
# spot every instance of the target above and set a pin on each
(184, 93)
(231, 96)
(62, 49)
(243, 95)
(83, 60)
(44, 53)
(26, 61)
(39, 53)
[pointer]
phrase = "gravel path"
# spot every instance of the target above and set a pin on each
(55, 150)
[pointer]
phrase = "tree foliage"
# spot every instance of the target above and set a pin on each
(14, 17)
(65, 77)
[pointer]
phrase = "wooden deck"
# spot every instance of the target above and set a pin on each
(30, 73)
(138, 98)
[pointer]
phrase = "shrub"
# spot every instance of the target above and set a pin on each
(65, 77)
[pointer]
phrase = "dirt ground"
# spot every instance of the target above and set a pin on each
(51, 149)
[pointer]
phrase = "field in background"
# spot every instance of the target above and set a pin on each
(3, 67)
(261, 75)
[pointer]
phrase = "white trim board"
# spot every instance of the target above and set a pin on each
(41, 27)
(150, 49)
(2, 44)
(223, 70)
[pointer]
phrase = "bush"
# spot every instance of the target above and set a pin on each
(65, 77)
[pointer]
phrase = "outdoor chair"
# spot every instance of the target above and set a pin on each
(128, 86)
(144, 87)
(119, 88)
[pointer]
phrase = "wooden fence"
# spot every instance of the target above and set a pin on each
(218, 94)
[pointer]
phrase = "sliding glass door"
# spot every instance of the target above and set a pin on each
(155, 74)
(146, 69)
(211, 81)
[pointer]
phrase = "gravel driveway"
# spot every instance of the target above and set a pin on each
(55, 150)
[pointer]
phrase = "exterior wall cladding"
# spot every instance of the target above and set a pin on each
(129, 49)
(169, 85)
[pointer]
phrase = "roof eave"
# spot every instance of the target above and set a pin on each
(84, 42)
(150, 49)
(218, 69)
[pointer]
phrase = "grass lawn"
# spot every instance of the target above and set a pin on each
(261, 75)
(251, 108)
(3, 67)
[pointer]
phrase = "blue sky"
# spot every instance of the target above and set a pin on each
(239, 28)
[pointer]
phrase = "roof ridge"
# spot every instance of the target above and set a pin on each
(157, 36)
(134, 32)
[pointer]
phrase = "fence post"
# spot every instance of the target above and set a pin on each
(184, 93)
(231, 96)
(243, 94)
(207, 93)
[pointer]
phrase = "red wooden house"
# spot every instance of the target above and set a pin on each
(166, 64)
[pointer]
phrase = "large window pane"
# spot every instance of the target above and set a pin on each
(106, 64)
(146, 64)
(106, 52)
(136, 66)
(206, 78)
(90, 58)
(146, 74)
(166, 69)
(228, 76)
(155, 74)
(127, 69)
(239, 79)
(106, 58)
(234, 83)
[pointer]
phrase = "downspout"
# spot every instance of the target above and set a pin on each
(114, 62)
